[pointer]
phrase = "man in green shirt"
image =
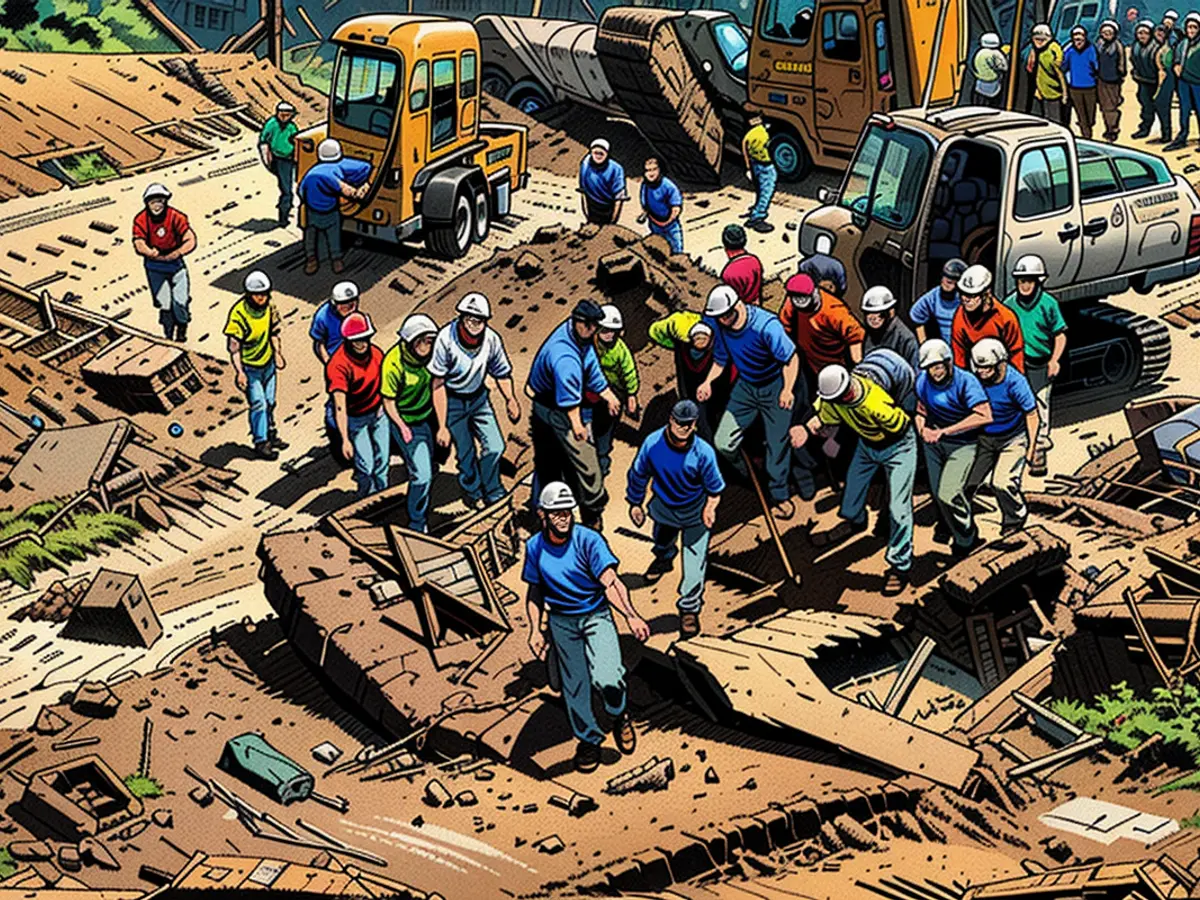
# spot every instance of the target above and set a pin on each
(407, 390)
(277, 147)
(253, 332)
(1045, 333)
(620, 369)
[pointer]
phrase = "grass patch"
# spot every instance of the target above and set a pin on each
(8, 865)
(1192, 821)
(80, 535)
(143, 786)
(82, 168)
(80, 26)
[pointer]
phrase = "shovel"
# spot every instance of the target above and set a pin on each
(789, 589)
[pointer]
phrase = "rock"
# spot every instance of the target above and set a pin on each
(548, 234)
(620, 270)
(656, 247)
(437, 795)
(30, 851)
(588, 231)
(69, 859)
(711, 776)
(129, 832)
(94, 853)
(466, 798)
(528, 265)
(175, 712)
(49, 722)
(95, 700)
(550, 845)
(653, 775)
(385, 593)
(750, 785)
(201, 795)
(1056, 848)
(328, 753)
(163, 818)
(485, 775)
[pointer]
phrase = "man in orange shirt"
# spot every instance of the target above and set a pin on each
(822, 326)
(980, 315)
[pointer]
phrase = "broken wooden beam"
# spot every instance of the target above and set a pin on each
(1143, 634)
(1053, 760)
(1049, 722)
(1178, 569)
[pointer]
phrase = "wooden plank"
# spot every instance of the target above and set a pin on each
(1144, 635)
(903, 686)
(1175, 567)
(991, 712)
(163, 21)
(1059, 757)
(1049, 722)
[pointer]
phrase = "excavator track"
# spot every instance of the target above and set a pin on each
(653, 81)
(1125, 352)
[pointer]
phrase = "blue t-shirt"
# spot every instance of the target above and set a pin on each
(562, 369)
(681, 476)
(760, 349)
(604, 184)
(948, 404)
(1081, 66)
(569, 574)
(320, 187)
(327, 327)
(1011, 400)
(658, 199)
(934, 306)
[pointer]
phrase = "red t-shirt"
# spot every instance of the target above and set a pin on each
(744, 274)
(359, 379)
(824, 337)
(1000, 322)
(163, 236)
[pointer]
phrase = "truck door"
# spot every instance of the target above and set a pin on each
(841, 94)
(1043, 212)
(1105, 217)
(416, 140)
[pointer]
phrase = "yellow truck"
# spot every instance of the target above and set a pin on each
(405, 98)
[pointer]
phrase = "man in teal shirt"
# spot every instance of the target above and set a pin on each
(1045, 333)
(277, 147)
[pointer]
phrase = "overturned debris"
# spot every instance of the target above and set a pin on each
(55, 603)
(115, 610)
(80, 798)
(1163, 877)
(653, 775)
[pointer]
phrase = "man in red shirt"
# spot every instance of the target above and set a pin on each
(980, 315)
(353, 377)
(744, 271)
(162, 236)
(822, 326)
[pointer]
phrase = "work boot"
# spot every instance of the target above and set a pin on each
(284, 218)
(762, 226)
(784, 510)
(839, 533)
(277, 442)
(689, 625)
(1140, 133)
(659, 567)
(942, 533)
(624, 734)
(1037, 468)
(180, 333)
(169, 331)
(894, 583)
(266, 451)
(587, 757)
(338, 267)
(960, 551)
(1175, 145)
(311, 266)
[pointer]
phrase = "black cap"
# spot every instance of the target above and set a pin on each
(733, 237)
(954, 268)
(587, 311)
(685, 412)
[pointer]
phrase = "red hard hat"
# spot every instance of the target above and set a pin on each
(357, 327)
(800, 284)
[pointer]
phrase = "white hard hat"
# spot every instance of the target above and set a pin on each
(156, 190)
(832, 382)
(556, 495)
(1171, 14)
(975, 280)
(934, 351)
(1029, 266)
(699, 328)
(474, 304)
(1042, 30)
(990, 40)
(344, 292)
(988, 352)
(415, 326)
(284, 107)
(599, 142)
(329, 150)
(612, 318)
(721, 300)
(1192, 17)
(877, 299)
(257, 283)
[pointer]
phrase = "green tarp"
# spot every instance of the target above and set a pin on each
(249, 758)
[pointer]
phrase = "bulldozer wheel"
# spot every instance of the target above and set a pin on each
(792, 160)
(452, 240)
(1128, 352)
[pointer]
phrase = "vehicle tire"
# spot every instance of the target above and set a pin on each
(452, 240)
(791, 158)
(481, 221)
(528, 97)
(496, 82)
(1125, 352)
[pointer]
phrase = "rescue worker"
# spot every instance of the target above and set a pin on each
(821, 326)
(1167, 85)
(564, 368)
(760, 170)
(989, 66)
(893, 373)
(1144, 60)
(687, 489)
(1008, 442)
(754, 341)
(602, 185)
(1186, 59)
(1044, 331)
(662, 203)
(691, 340)
(326, 328)
(466, 352)
(572, 579)
(406, 387)
(933, 313)
(980, 315)
(827, 271)
(885, 328)
(277, 147)
(1110, 77)
(321, 190)
(621, 372)
(887, 443)
(1049, 87)
(1080, 66)
(743, 272)
(252, 329)
(1171, 32)
(162, 236)
(952, 407)
(352, 377)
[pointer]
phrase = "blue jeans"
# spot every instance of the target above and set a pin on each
(1189, 102)
(765, 176)
(899, 464)
(471, 419)
(673, 233)
(260, 400)
(170, 291)
(285, 174)
(418, 459)
(670, 524)
(372, 451)
(589, 658)
(746, 404)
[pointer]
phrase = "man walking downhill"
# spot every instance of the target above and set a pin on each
(1110, 78)
(1144, 59)
(1186, 58)
(1045, 64)
(743, 272)
(687, 488)
(326, 334)
(662, 202)
(407, 390)
(760, 171)
(980, 315)
(691, 340)
(1164, 59)
(277, 147)
(754, 341)
(885, 329)
(602, 185)
(989, 66)
(1080, 64)
(353, 378)
(162, 236)
(572, 577)
(321, 191)
(933, 313)
(952, 407)
(468, 351)
(621, 372)
(253, 332)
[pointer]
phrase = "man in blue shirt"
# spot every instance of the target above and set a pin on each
(1080, 63)
(687, 489)
(565, 376)
(754, 341)
(1009, 441)
(326, 334)
(602, 184)
(661, 204)
(933, 313)
(951, 408)
(321, 190)
(572, 578)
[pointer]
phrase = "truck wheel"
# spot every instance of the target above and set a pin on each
(528, 97)
(482, 220)
(496, 82)
(790, 156)
(452, 240)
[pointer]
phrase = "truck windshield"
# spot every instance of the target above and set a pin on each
(365, 91)
(887, 178)
(734, 46)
